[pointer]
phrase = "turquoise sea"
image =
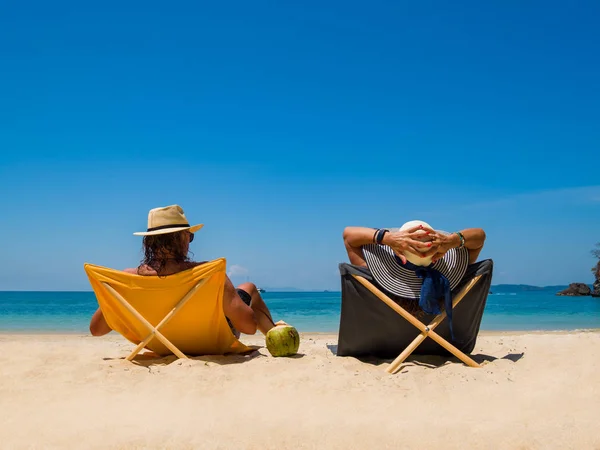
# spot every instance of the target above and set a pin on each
(26, 312)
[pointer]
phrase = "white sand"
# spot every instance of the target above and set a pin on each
(64, 391)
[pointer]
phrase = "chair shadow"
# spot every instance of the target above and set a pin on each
(437, 361)
(430, 361)
(148, 358)
(514, 357)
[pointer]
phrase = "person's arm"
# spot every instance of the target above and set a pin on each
(474, 240)
(98, 325)
(241, 315)
(399, 241)
(354, 239)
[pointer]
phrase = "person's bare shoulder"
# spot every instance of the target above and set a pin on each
(143, 270)
(192, 264)
(146, 271)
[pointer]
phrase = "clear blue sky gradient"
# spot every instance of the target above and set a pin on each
(276, 124)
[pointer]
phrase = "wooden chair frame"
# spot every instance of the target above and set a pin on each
(426, 330)
(153, 330)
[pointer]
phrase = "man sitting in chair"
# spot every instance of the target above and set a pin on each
(415, 261)
(166, 246)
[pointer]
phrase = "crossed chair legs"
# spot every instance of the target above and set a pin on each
(154, 329)
(426, 330)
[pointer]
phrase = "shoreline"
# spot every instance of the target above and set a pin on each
(28, 332)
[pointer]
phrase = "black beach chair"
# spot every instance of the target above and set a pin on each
(369, 327)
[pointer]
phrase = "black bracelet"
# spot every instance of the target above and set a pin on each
(380, 235)
(375, 235)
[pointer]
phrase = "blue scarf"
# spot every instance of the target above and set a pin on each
(435, 285)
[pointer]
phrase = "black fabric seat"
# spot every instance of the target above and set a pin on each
(368, 327)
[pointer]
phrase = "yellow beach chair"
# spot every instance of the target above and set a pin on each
(179, 314)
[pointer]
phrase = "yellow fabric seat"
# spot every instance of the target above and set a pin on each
(179, 314)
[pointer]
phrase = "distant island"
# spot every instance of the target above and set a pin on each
(282, 289)
(573, 289)
(495, 289)
(505, 288)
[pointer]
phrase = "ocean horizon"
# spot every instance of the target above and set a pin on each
(311, 311)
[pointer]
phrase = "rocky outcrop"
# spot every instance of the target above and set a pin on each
(576, 289)
(596, 289)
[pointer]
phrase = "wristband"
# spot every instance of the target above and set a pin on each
(462, 239)
(375, 235)
(380, 235)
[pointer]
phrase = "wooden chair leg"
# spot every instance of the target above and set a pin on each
(140, 346)
(155, 333)
(164, 321)
(394, 366)
(154, 330)
(452, 349)
(426, 330)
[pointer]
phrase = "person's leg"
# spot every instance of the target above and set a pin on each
(258, 305)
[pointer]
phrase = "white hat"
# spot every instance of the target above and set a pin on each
(416, 259)
(401, 279)
(167, 219)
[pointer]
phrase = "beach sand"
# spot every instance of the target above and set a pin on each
(535, 390)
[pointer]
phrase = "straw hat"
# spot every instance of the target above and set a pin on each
(401, 279)
(167, 219)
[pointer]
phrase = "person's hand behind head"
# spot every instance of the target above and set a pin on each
(440, 244)
(416, 240)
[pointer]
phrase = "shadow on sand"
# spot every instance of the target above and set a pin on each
(149, 359)
(432, 361)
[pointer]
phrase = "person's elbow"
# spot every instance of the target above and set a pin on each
(483, 235)
(249, 325)
(346, 235)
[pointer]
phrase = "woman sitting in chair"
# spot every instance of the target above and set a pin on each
(415, 262)
(166, 246)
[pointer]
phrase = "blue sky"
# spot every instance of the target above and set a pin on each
(276, 124)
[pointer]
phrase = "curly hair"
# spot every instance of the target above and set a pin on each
(161, 248)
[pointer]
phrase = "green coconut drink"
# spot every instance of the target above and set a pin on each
(283, 340)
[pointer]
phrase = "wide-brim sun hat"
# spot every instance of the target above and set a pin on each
(400, 279)
(167, 219)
